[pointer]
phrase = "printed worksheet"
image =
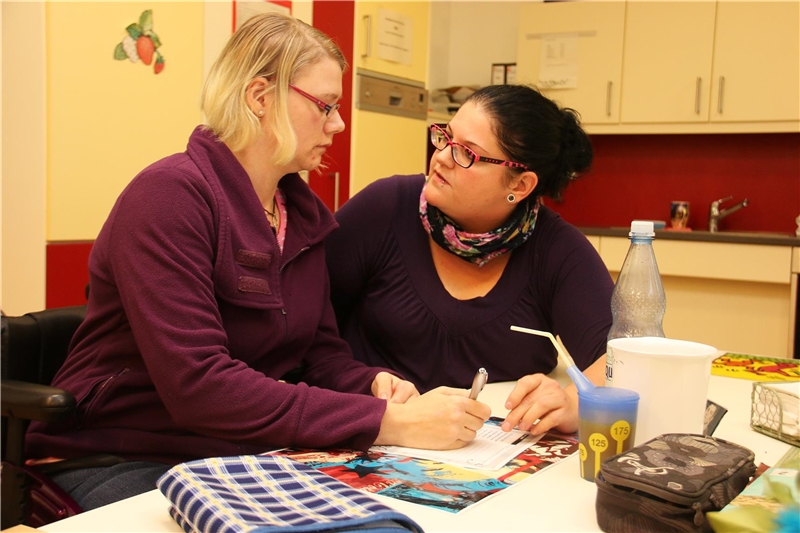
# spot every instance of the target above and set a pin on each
(492, 449)
(440, 483)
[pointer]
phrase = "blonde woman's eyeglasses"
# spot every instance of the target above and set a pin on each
(327, 108)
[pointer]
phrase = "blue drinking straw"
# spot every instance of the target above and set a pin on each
(575, 374)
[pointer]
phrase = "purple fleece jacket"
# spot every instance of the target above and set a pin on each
(395, 312)
(193, 317)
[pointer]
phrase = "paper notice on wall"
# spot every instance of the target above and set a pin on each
(395, 34)
(498, 74)
(511, 73)
(559, 62)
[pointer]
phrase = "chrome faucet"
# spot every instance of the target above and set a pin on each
(715, 215)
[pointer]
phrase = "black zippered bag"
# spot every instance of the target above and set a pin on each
(667, 484)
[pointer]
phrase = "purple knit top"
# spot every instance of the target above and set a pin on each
(394, 311)
(194, 316)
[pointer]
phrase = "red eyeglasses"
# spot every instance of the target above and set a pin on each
(327, 108)
(463, 156)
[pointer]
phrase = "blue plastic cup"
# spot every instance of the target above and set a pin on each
(607, 426)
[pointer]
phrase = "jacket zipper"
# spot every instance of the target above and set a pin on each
(295, 256)
(283, 309)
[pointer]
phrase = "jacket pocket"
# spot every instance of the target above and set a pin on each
(96, 393)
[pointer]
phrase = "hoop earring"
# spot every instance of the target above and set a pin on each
(511, 198)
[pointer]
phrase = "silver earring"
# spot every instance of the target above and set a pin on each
(260, 112)
(511, 198)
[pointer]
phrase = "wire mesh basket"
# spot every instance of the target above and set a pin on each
(775, 413)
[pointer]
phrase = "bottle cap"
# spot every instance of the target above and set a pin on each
(642, 228)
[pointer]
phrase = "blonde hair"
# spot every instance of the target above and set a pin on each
(276, 47)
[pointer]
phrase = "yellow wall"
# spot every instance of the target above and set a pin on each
(108, 119)
(419, 13)
(401, 147)
(78, 125)
(23, 161)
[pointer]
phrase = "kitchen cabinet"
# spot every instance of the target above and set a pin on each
(667, 74)
(753, 46)
(756, 74)
(595, 242)
(598, 28)
(368, 37)
(736, 297)
(385, 145)
(733, 66)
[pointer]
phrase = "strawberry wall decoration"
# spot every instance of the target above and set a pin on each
(141, 43)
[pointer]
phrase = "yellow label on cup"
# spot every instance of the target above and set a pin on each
(582, 454)
(602, 440)
(598, 443)
(620, 432)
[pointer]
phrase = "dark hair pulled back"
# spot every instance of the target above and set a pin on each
(533, 130)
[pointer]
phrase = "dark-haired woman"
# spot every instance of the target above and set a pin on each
(429, 273)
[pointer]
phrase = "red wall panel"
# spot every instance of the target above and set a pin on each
(633, 176)
(636, 177)
(67, 273)
(335, 19)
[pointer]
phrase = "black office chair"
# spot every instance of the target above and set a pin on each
(34, 346)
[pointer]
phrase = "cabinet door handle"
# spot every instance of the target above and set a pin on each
(368, 23)
(335, 176)
(608, 98)
(697, 87)
(721, 93)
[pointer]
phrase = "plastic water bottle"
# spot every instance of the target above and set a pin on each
(638, 302)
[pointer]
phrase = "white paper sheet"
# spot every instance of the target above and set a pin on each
(559, 61)
(491, 450)
(395, 33)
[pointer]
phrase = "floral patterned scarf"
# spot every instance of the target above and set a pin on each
(479, 248)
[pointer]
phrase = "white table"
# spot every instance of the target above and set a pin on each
(556, 499)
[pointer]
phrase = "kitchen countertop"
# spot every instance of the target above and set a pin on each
(739, 237)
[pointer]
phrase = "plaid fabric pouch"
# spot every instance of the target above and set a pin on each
(259, 494)
(668, 484)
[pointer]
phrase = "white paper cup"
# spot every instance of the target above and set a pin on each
(671, 377)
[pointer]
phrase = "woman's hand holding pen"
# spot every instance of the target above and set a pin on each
(393, 389)
(538, 397)
(442, 419)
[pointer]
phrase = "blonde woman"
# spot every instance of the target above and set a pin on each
(208, 284)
